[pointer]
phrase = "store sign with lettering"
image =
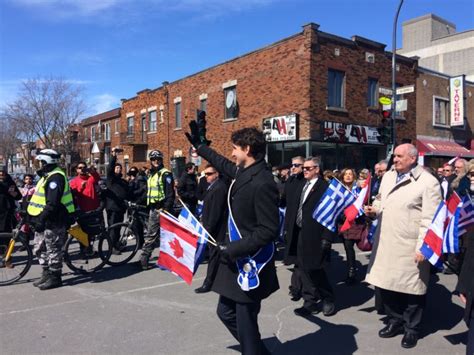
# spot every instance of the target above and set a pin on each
(349, 133)
(281, 128)
(456, 88)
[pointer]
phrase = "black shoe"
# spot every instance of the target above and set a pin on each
(329, 308)
(351, 276)
(409, 340)
(306, 311)
(144, 262)
(295, 296)
(42, 280)
(391, 330)
(54, 280)
(203, 289)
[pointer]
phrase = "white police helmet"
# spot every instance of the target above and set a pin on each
(48, 156)
(155, 154)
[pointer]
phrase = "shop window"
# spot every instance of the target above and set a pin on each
(372, 93)
(230, 102)
(177, 111)
(440, 111)
(152, 121)
(336, 88)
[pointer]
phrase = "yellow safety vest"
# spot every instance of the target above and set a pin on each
(156, 188)
(38, 200)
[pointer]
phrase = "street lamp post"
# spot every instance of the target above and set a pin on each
(394, 86)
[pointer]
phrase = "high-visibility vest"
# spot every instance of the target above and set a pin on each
(38, 200)
(156, 188)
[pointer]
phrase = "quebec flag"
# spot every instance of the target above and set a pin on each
(190, 221)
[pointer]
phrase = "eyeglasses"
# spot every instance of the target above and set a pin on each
(81, 167)
(209, 174)
(296, 165)
(309, 168)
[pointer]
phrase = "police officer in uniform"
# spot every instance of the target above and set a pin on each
(254, 204)
(49, 212)
(160, 196)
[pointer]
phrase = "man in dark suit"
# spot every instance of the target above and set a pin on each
(291, 197)
(313, 244)
(254, 206)
(214, 219)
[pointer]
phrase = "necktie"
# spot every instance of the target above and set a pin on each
(299, 214)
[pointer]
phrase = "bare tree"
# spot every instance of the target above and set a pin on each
(46, 109)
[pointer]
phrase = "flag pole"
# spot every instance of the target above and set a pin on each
(167, 214)
(187, 209)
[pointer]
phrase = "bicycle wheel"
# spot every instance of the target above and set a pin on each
(85, 260)
(14, 267)
(127, 244)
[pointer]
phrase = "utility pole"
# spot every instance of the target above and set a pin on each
(391, 147)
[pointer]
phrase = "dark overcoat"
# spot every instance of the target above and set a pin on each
(214, 211)
(293, 188)
(466, 280)
(254, 204)
(310, 253)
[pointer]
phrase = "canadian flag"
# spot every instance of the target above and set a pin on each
(177, 248)
(357, 208)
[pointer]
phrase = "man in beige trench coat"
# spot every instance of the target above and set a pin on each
(406, 203)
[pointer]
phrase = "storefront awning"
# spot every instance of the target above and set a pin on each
(436, 147)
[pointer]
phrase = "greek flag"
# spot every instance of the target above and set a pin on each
(332, 204)
(372, 230)
(188, 219)
(466, 215)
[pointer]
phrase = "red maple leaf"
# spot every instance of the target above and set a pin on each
(177, 248)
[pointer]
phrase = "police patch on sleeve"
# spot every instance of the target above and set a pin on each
(52, 185)
(168, 179)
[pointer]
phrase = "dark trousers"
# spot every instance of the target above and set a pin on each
(316, 286)
(242, 321)
(112, 218)
(296, 286)
(403, 309)
(350, 252)
(470, 336)
(212, 265)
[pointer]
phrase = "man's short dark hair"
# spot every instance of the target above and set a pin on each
(189, 166)
(251, 137)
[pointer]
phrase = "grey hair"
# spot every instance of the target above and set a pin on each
(383, 162)
(298, 157)
(315, 160)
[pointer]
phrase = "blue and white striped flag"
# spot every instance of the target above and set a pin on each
(372, 230)
(188, 219)
(466, 215)
(332, 204)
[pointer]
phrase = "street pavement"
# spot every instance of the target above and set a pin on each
(123, 310)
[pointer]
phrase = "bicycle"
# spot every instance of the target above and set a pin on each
(88, 246)
(128, 238)
(16, 256)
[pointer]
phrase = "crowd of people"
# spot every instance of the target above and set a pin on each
(403, 198)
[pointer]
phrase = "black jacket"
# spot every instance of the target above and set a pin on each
(215, 212)
(202, 188)
(310, 256)
(117, 189)
(7, 204)
(466, 280)
(254, 203)
(187, 189)
(138, 189)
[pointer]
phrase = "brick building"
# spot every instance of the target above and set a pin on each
(437, 140)
(96, 138)
(314, 93)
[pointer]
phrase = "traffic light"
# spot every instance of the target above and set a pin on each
(384, 132)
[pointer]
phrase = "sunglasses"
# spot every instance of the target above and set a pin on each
(471, 174)
(296, 165)
(209, 174)
(81, 167)
(309, 168)
(448, 170)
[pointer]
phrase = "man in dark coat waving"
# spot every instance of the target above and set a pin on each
(254, 206)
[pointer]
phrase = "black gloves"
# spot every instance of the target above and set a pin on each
(223, 253)
(197, 137)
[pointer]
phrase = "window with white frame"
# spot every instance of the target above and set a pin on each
(336, 88)
(230, 102)
(203, 105)
(130, 125)
(440, 111)
(152, 117)
(107, 132)
(93, 130)
(117, 122)
(372, 92)
(177, 112)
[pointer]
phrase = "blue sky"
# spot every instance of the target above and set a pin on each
(115, 48)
